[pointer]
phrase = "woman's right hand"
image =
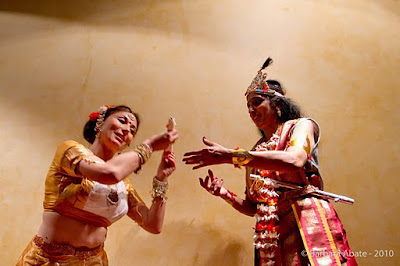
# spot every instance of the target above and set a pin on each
(214, 185)
(162, 140)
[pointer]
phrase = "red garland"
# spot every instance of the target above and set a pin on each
(266, 230)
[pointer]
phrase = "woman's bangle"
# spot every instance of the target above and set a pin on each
(159, 190)
(144, 152)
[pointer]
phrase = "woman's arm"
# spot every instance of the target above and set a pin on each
(122, 165)
(152, 219)
(290, 160)
(111, 171)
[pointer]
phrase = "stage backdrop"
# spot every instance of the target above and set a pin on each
(340, 60)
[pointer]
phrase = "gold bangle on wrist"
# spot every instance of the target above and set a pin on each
(159, 190)
(241, 157)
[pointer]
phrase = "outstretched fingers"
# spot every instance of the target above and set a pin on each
(204, 182)
(200, 165)
(199, 152)
(193, 153)
(210, 182)
(210, 173)
(192, 159)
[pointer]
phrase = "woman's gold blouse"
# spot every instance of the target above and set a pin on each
(76, 196)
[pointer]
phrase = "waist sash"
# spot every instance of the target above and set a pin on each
(315, 232)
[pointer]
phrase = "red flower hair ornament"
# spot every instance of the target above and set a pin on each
(93, 116)
(98, 116)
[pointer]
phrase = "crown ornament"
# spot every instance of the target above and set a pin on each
(259, 84)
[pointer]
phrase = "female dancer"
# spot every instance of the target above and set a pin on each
(87, 190)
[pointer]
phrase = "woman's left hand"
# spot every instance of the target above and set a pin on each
(214, 185)
(212, 154)
(167, 166)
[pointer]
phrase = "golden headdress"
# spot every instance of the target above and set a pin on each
(260, 84)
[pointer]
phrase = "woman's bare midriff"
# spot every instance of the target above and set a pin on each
(60, 229)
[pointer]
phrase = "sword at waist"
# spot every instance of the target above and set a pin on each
(316, 192)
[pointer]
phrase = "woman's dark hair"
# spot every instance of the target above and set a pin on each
(89, 132)
(288, 109)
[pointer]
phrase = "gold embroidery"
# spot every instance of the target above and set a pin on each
(93, 159)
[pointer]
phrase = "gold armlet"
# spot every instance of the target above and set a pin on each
(241, 157)
(302, 141)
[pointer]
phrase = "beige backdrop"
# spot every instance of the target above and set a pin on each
(340, 60)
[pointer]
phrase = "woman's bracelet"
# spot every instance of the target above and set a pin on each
(144, 152)
(159, 190)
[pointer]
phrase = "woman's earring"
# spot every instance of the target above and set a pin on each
(278, 111)
(98, 133)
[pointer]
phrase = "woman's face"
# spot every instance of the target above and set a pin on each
(118, 130)
(260, 110)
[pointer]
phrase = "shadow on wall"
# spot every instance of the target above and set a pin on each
(159, 14)
(190, 244)
(153, 13)
(45, 78)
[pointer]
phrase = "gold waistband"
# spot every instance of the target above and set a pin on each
(65, 249)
